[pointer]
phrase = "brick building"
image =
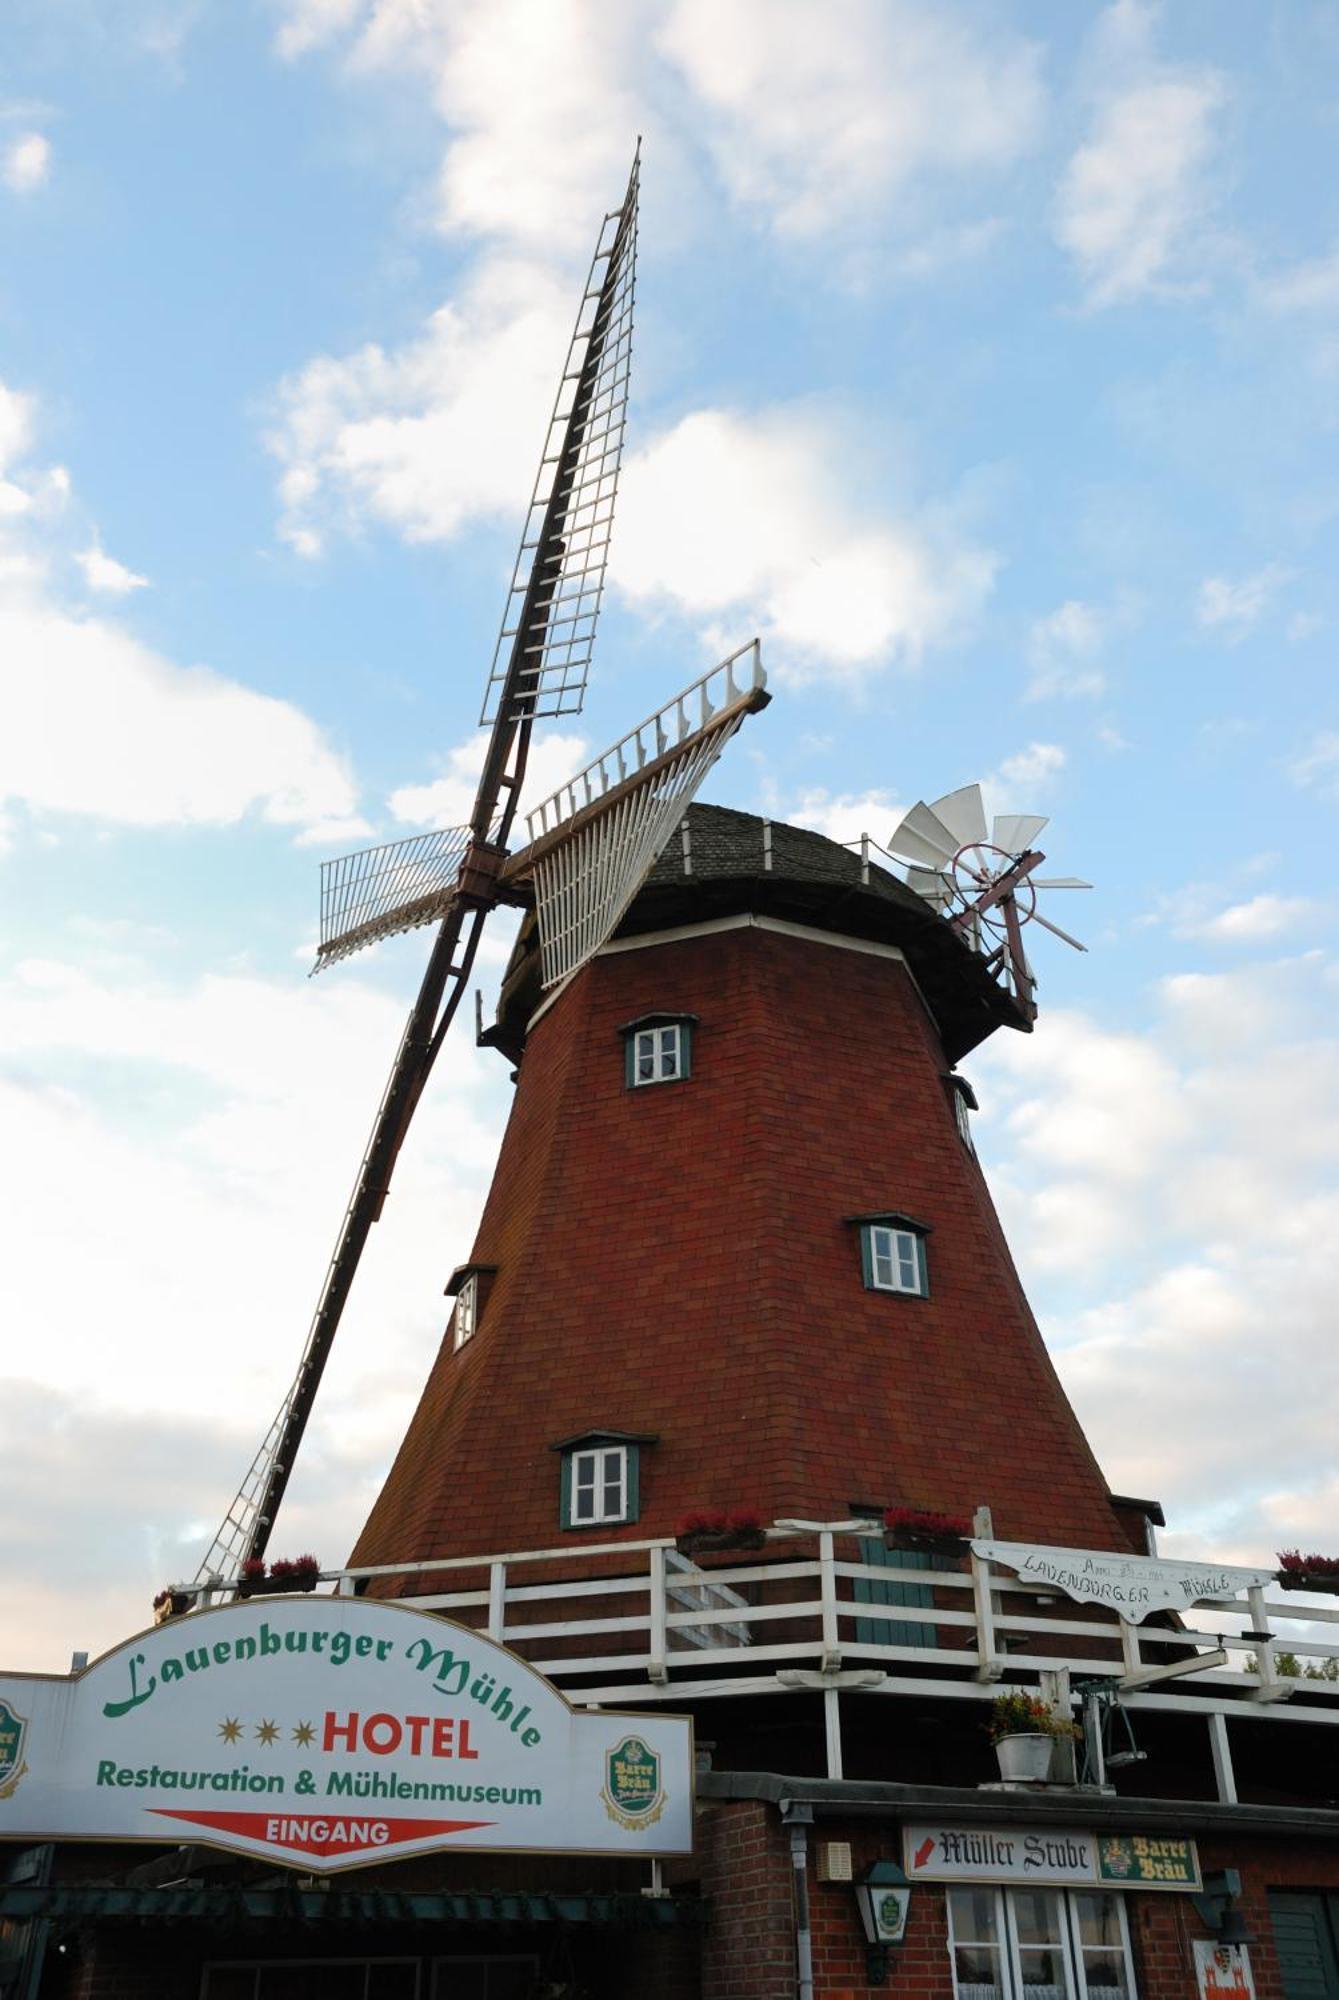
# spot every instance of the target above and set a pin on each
(739, 1289)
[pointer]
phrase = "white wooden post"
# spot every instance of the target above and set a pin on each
(1224, 1775)
(1130, 1647)
(1270, 1688)
(657, 1667)
(832, 1723)
(989, 1665)
(497, 1601)
(827, 1582)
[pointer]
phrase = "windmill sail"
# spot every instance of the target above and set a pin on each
(558, 581)
(593, 842)
(384, 890)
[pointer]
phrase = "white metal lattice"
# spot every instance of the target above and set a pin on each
(623, 808)
(384, 890)
(558, 580)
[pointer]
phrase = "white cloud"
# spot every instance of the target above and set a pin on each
(1063, 650)
(1174, 1195)
(435, 434)
(1025, 776)
(448, 799)
(103, 573)
(1260, 917)
(198, 1140)
(1318, 765)
(744, 523)
(1135, 197)
(816, 117)
(26, 163)
(1238, 604)
(1308, 287)
(845, 816)
(99, 726)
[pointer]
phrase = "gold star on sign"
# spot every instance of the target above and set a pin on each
(230, 1730)
(304, 1734)
(268, 1732)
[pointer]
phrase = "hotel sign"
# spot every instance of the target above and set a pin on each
(1053, 1858)
(330, 1732)
(1133, 1586)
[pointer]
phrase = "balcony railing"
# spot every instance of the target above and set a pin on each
(635, 1622)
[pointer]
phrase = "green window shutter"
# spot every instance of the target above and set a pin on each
(634, 1483)
(630, 1059)
(894, 1631)
(867, 1255)
(685, 1052)
(565, 1492)
(1304, 1940)
(923, 1267)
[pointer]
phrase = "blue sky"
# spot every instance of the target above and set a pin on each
(987, 364)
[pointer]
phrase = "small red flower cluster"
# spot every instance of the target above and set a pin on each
(163, 1597)
(715, 1521)
(254, 1569)
(927, 1523)
(1297, 1564)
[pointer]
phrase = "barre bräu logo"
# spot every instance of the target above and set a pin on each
(633, 1792)
(13, 1734)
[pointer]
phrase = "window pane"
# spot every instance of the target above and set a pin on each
(973, 1913)
(1043, 1970)
(584, 1467)
(977, 1972)
(907, 1273)
(388, 1980)
(1036, 1916)
(1098, 1919)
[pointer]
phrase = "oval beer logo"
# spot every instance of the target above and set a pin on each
(633, 1793)
(13, 1729)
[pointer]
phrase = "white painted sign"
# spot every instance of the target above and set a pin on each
(1053, 1857)
(1223, 1971)
(331, 1732)
(1131, 1585)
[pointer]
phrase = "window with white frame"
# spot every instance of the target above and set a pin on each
(1039, 1944)
(658, 1048)
(964, 1103)
(893, 1258)
(657, 1054)
(467, 1310)
(598, 1485)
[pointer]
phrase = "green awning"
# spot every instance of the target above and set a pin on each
(222, 1903)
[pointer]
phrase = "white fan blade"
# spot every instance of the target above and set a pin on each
(1015, 832)
(1047, 925)
(930, 883)
(963, 814)
(1060, 882)
(923, 837)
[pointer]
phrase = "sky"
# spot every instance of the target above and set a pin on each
(987, 367)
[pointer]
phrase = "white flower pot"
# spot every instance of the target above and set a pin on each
(1025, 1757)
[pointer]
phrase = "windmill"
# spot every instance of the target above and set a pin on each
(589, 845)
(982, 880)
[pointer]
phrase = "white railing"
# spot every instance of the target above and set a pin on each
(641, 1623)
(691, 711)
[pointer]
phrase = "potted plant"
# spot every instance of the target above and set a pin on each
(286, 1573)
(709, 1531)
(921, 1530)
(1024, 1731)
(170, 1604)
(252, 1581)
(1311, 1572)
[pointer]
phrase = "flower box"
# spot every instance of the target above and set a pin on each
(716, 1533)
(303, 1573)
(924, 1533)
(1309, 1572)
(171, 1604)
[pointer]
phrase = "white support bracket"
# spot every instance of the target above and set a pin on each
(657, 1669)
(1174, 1670)
(837, 1677)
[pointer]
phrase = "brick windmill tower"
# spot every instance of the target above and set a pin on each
(738, 1262)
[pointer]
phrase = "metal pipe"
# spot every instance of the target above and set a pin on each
(800, 1819)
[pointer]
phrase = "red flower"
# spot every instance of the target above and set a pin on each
(1297, 1564)
(253, 1569)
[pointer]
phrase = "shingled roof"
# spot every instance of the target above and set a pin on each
(723, 863)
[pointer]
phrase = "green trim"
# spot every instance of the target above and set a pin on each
(921, 1597)
(650, 1024)
(565, 1492)
(333, 1904)
(632, 1511)
(900, 1227)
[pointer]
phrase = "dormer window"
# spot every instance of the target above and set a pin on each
(892, 1253)
(466, 1285)
(658, 1048)
(964, 1102)
(601, 1478)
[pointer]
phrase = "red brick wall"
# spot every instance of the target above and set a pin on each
(749, 1947)
(673, 1260)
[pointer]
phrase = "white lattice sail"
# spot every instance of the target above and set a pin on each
(384, 890)
(594, 842)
